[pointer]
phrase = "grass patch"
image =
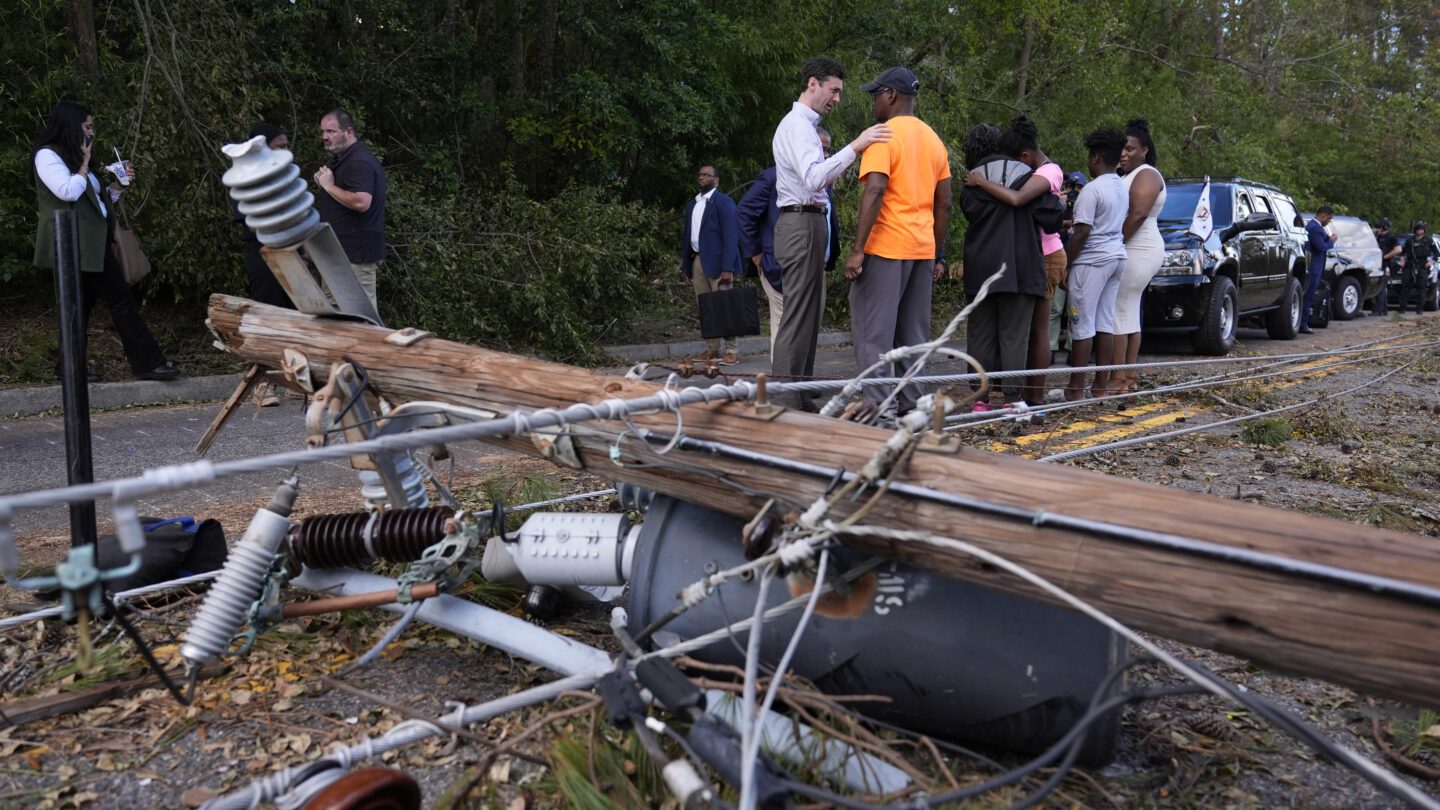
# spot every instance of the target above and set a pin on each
(112, 662)
(1272, 431)
(1328, 423)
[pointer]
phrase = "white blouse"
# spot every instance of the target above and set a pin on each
(68, 186)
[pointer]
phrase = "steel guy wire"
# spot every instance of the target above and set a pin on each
(184, 476)
(1085, 451)
(1056, 371)
(1225, 378)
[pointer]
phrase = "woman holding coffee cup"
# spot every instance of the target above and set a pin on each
(63, 179)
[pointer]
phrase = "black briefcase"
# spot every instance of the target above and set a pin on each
(729, 313)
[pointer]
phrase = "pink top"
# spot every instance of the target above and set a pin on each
(1050, 242)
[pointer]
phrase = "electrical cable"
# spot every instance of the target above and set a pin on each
(45, 613)
(1366, 583)
(1056, 750)
(926, 349)
(1123, 443)
(751, 752)
(748, 732)
(1384, 779)
(171, 478)
(390, 635)
(406, 733)
(969, 420)
(145, 652)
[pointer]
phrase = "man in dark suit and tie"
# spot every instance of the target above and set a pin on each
(757, 212)
(710, 251)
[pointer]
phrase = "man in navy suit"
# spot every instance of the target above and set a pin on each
(710, 251)
(757, 213)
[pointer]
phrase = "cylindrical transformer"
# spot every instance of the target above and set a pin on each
(567, 548)
(958, 661)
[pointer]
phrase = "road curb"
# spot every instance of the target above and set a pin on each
(759, 344)
(31, 401)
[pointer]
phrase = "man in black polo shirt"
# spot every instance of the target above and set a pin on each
(353, 197)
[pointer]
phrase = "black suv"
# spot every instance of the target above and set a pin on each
(1252, 266)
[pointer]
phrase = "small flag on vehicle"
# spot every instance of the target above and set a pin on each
(1203, 222)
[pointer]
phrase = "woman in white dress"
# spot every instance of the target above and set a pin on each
(1144, 247)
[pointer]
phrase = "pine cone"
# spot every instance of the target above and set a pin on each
(1212, 725)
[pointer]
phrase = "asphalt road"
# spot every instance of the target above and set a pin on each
(126, 442)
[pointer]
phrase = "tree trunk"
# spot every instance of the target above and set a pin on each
(1024, 70)
(82, 34)
(1374, 641)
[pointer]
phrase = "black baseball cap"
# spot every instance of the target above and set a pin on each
(899, 79)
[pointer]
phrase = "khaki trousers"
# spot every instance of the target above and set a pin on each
(704, 284)
(777, 308)
(366, 273)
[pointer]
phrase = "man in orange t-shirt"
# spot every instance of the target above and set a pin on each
(899, 250)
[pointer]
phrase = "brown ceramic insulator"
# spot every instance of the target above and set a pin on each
(338, 541)
(369, 789)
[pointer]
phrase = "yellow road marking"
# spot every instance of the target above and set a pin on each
(1105, 437)
(1090, 424)
(1132, 428)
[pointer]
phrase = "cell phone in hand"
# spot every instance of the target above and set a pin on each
(89, 140)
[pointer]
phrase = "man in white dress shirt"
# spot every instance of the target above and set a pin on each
(802, 176)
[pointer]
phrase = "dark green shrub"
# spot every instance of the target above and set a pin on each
(557, 277)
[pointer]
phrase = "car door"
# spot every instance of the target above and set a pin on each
(1292, 227)
(1276, 243)
(1253, 250)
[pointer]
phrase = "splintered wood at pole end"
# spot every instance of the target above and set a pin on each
(1374, 640)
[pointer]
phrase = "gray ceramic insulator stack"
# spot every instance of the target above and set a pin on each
(271, 194)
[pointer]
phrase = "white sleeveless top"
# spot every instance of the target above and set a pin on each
(1148, 236)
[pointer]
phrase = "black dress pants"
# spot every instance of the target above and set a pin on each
(263, 286)
(109, 286)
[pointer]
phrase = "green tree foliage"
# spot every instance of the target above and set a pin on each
(538, 151)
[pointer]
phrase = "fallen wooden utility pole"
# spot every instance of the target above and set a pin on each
(1373, 639)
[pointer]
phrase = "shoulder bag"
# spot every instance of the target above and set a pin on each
(128, 252)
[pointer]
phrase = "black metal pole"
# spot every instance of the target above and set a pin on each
(79, 467)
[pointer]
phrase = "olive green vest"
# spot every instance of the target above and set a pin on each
(92, 228)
